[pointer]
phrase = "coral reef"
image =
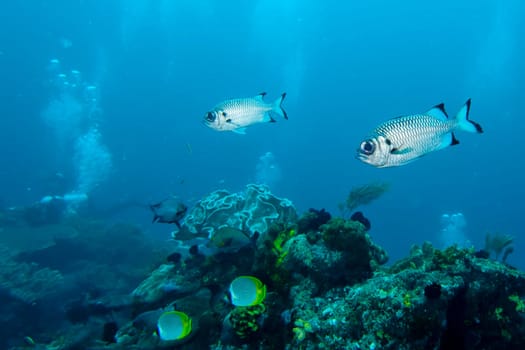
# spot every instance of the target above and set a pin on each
(26, 290)
(27, 282)
(312, 220)
(326, 288)
(165, 283)
(392, 311)
(245, 320)
(82, 276)
(344, 255)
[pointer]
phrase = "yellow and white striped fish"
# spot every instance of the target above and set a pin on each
(236, 114)
(404, 139)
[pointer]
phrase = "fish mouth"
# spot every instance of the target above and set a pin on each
(206, 122)
(361, 156)
(365, 158)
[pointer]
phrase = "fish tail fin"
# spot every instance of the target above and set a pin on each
(277, 107)
(464, 123)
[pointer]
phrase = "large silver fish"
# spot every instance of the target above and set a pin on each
(236, 114)
(404, 139)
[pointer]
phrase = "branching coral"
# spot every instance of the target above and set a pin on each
(244, 320)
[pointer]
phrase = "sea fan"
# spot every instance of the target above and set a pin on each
(362, 195)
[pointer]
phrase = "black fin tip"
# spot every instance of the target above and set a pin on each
(283, 95)
(454, 141)
(479, 129)
(441, 107)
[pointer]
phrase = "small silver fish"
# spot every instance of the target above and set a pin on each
(236, 114)
(402, 140)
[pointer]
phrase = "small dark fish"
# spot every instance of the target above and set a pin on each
(169, 211)
(194, 249)
(174, 257)
(109, 332)
(359, 217)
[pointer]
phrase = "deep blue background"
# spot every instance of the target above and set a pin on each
(160, 65)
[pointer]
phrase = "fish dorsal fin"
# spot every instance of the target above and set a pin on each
(260, 97)
(438, 111)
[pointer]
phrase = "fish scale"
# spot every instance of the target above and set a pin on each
(243, 109)
(423, 131)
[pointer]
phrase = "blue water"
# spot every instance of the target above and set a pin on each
(160, 65)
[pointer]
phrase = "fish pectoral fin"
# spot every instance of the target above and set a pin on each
(400, 150)
(230, 121)
(241, 131)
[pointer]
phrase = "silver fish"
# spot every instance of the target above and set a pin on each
(404, 139)
(236, 114)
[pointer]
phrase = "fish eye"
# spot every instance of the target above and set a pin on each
(368, 147)
(210, 116)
